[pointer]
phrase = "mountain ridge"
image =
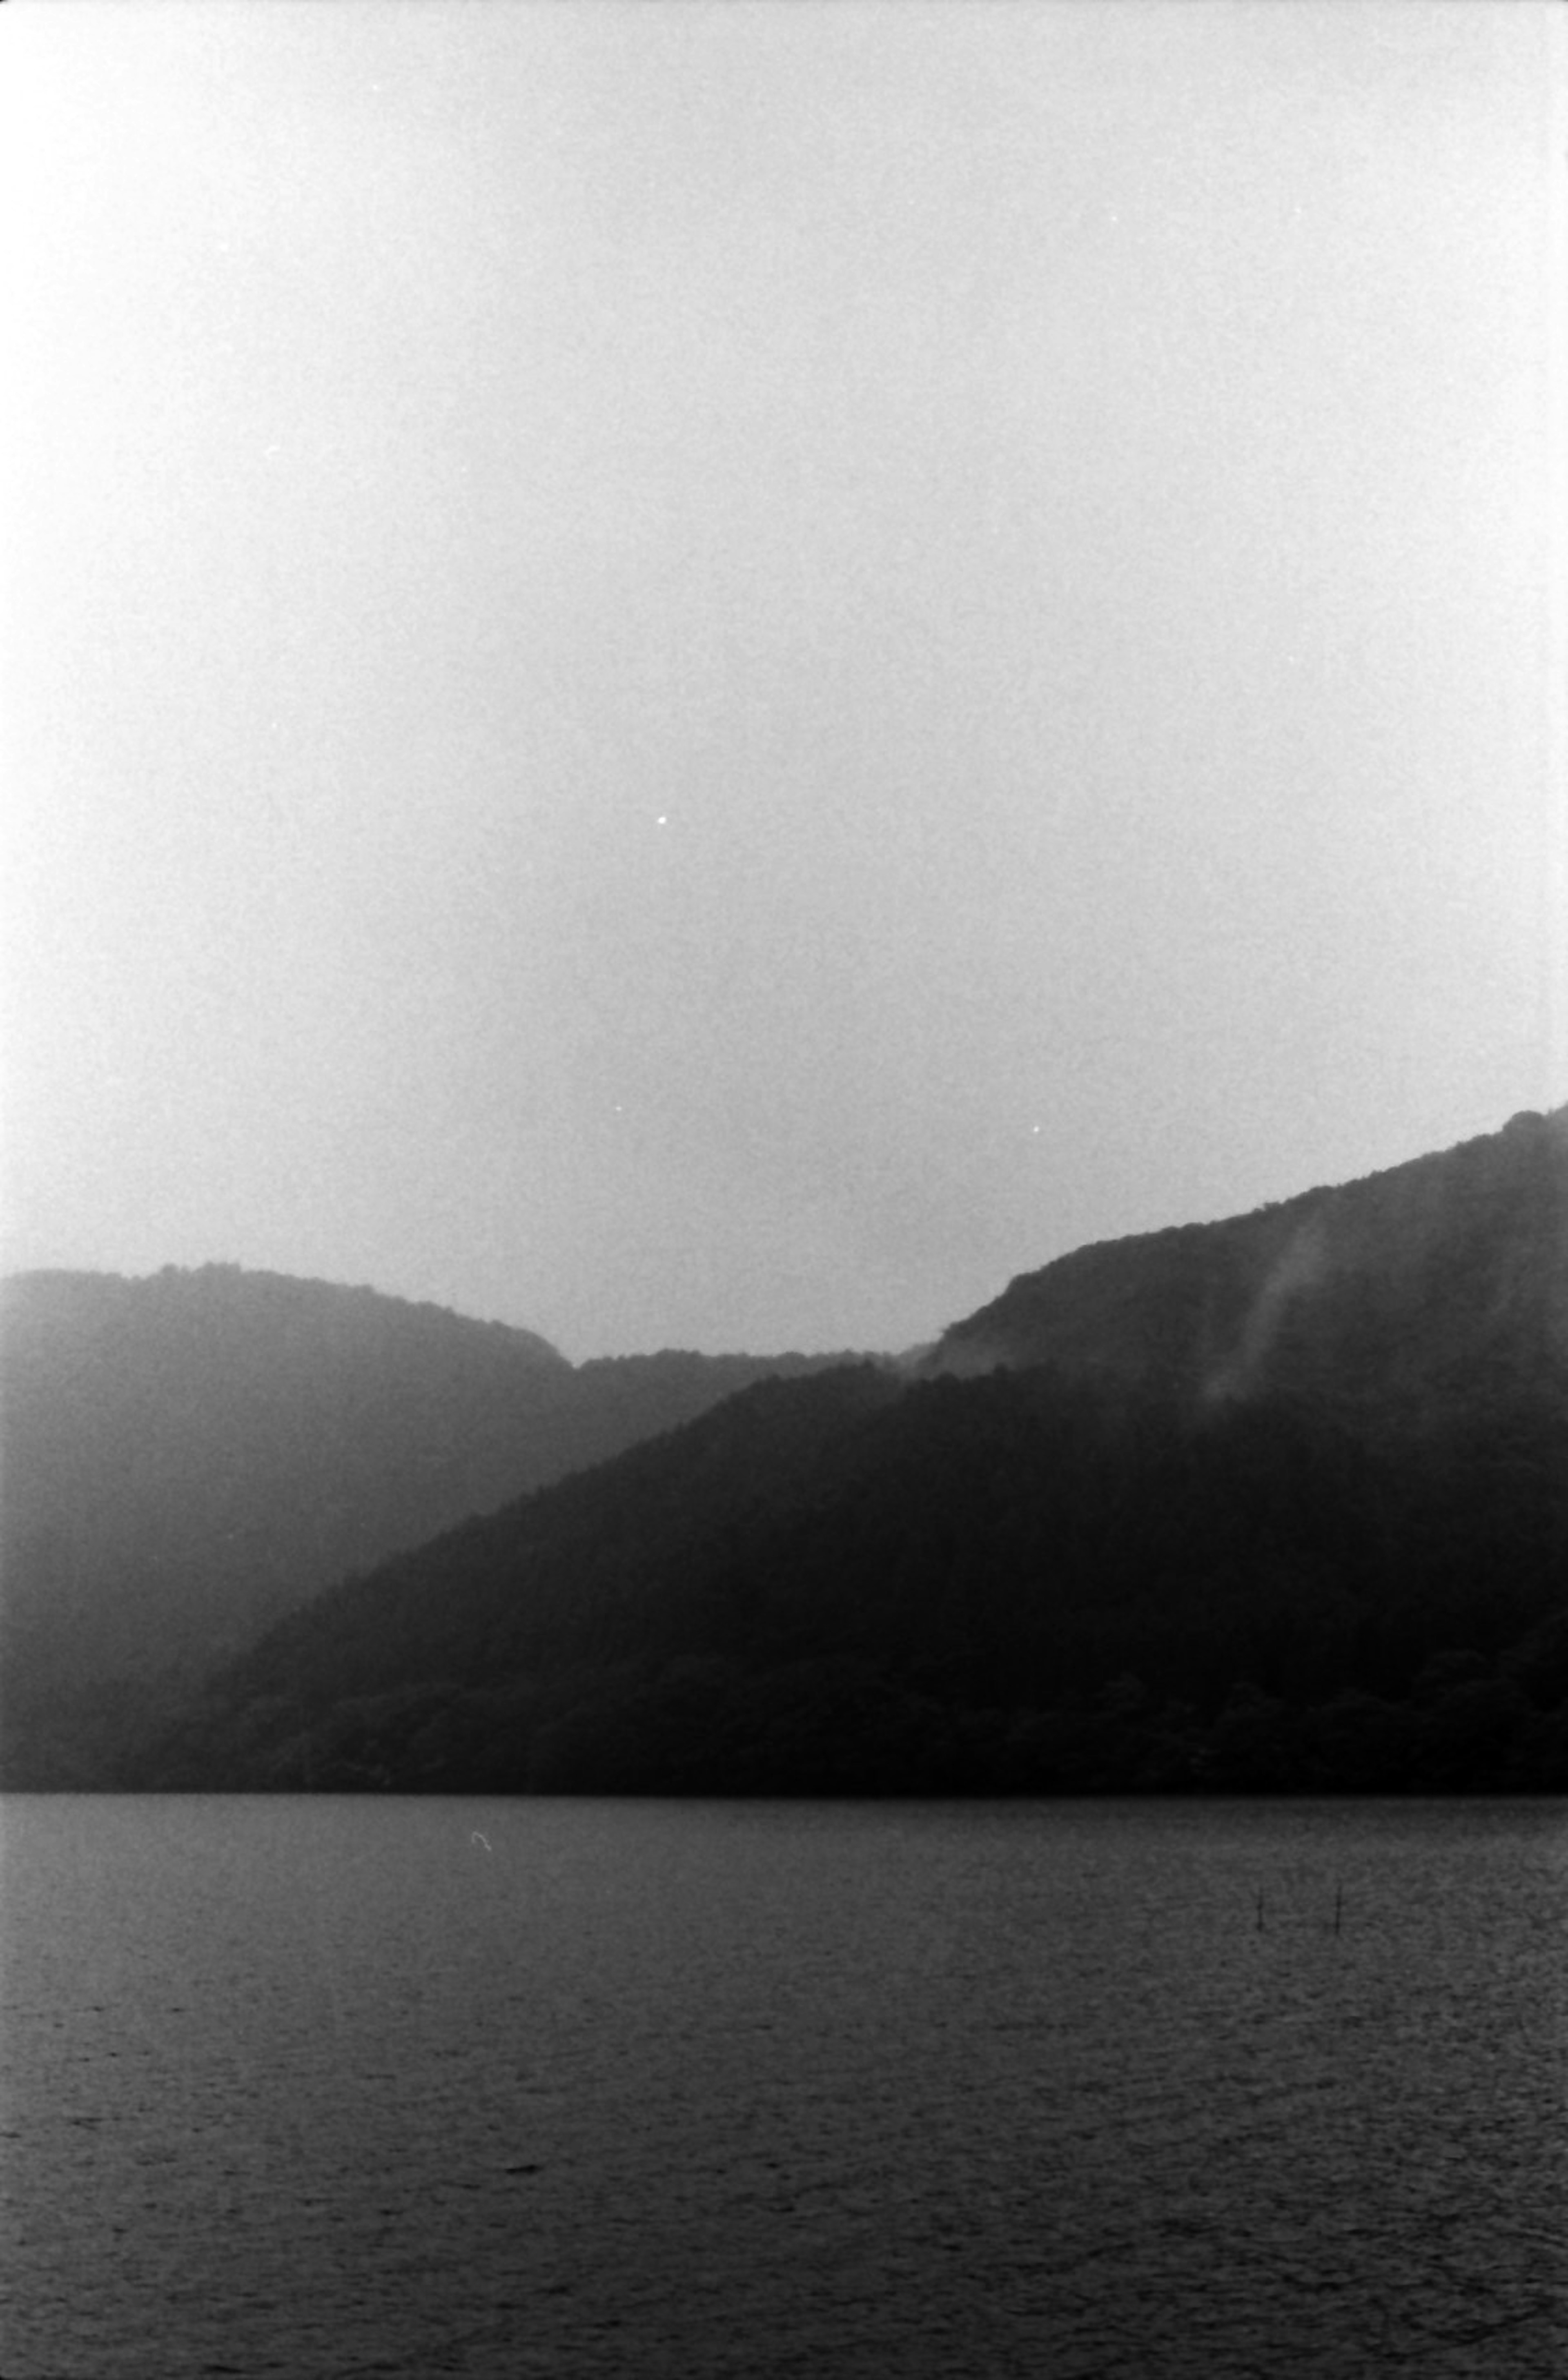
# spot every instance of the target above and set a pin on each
(1249, 1314)
(1296, 1455)
(1338, 1562)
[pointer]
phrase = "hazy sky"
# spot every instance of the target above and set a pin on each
(712, 674)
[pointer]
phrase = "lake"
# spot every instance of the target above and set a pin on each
(571, 2088)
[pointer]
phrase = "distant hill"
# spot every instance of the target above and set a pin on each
(186, 1457)
(1276, 1503)
(1423, 1287)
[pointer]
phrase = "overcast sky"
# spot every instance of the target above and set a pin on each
(713, 674)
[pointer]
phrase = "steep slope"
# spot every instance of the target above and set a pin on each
(188, 1456)
(1005, 1583)
(1424, 1286)
(1150, 1561)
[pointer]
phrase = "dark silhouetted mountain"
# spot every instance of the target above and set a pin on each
(188, 1456)
(1285, 1504)
(1423, 1287)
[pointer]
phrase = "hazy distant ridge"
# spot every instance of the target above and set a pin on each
(188, 1455)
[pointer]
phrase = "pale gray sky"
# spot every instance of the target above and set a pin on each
(712, 674)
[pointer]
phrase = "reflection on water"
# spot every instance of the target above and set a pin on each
(567, 2088)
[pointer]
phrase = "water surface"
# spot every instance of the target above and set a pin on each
(574, 2088)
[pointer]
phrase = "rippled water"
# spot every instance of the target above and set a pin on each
(564, 2088)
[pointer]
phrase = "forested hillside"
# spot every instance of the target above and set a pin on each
(1434, 1286)
(1012, 1584)
(1280, 1502)
(187, 1457)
